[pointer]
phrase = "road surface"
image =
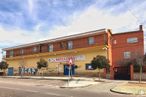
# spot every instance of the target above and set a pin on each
(32, 88)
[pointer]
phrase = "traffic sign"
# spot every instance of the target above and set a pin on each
(70, 62)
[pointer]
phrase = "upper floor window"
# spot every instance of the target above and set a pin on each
(3, 54)
(127, 55)
(69, 44)
(132, 40)
(114, 41)
(63, 45)
(50, 47)
(21, 51)
(11, 53)
(34, 49)
(91, 40)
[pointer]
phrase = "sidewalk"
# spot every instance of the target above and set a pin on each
(132, 88)
(78, 83)
(48, 77)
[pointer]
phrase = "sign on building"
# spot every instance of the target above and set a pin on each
(66, 59)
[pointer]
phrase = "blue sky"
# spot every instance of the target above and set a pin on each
(25, 21)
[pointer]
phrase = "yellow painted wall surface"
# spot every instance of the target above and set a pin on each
(31, 62)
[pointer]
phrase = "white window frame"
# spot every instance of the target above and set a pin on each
(11, 53)
(91, 40)
(35, 49)
(70, 45)
(50, 47)
(127, 55)
(132, 40)
(22, 51)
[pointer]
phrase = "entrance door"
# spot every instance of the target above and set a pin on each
(10, 71)
(66, 69)
(122, 73)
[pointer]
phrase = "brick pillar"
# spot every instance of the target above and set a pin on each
(111, 73)
(131, 72)
(104, 73)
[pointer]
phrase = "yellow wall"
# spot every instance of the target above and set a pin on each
(31, 62)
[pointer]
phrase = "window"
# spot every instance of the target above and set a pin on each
(50, 47)
(70, 45)
(63, 45)
(91, 40)
(21, 51)
(115, 42)
(127, 55)
(11, 53)
(34, 49)
(132, 40)
(89, 66)
(4, 54)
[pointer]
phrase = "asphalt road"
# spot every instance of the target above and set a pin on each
(14, 88)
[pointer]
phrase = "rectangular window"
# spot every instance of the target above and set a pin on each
(21, 51)
(50, 47)
(91, 40)
(132, 40)
(11, 53)
(63, 45)
(88, 66)
(34, 49)
(69, 44)
(127, 55)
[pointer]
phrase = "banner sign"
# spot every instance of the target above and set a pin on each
(67, 58)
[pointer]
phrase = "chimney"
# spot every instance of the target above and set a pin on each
(140, 27)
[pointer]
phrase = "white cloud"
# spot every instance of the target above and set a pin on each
(30, 6)
(93, 19)
(13, 37)
(18, 35)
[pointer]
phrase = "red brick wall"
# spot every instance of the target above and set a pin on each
(122, 46)
(77, 43)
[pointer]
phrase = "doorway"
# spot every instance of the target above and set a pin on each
(67, 71)
(10, 71)
(122, 73)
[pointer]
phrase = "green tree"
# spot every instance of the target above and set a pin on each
(3, 66)
(42, 63)
(99, 62)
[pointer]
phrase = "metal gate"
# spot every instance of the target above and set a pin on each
(122, 73)
(66, 70)
(10, 71)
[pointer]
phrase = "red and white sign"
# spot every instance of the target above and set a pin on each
(66, 59)
(70, 62)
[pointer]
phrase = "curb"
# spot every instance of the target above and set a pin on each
(125, 92)
(120, 92)
(43, 78)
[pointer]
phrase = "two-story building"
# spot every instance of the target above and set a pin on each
(80, 48)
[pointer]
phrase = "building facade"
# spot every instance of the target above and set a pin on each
(126, 46)
(80, 48)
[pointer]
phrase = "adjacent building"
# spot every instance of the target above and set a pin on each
(80, 48)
